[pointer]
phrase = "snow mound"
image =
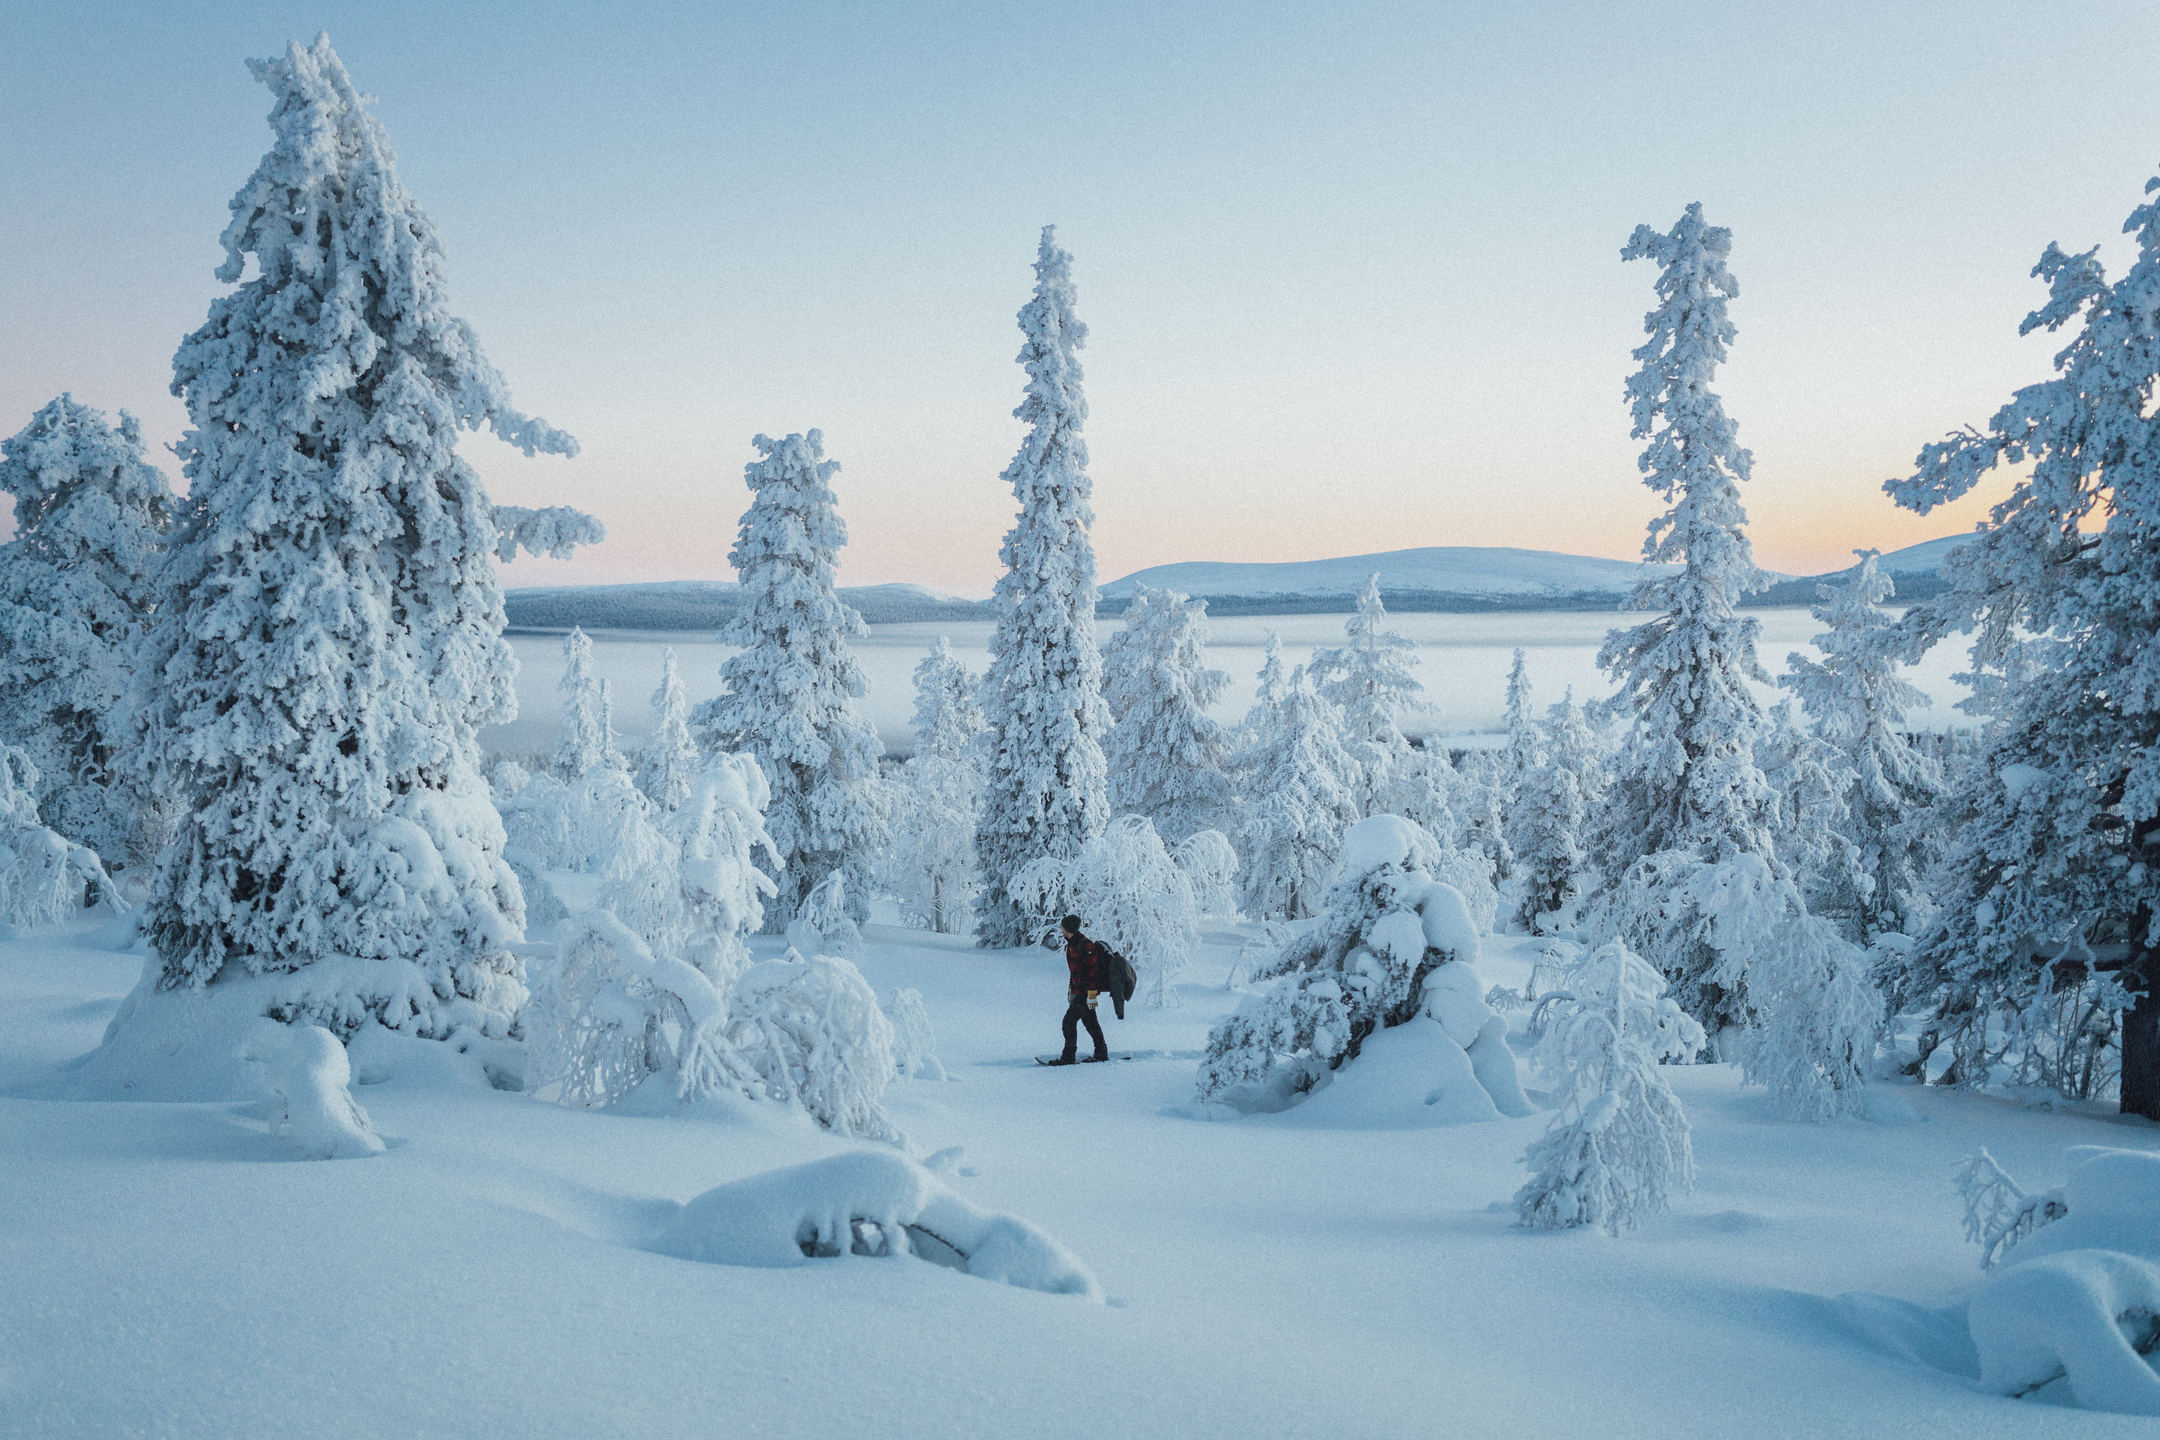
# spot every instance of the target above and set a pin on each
(2071, 1313)
(314, 1108)
(866, 1202)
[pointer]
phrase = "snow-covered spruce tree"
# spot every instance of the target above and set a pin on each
(76, 590)
(1166, 755)
(45, 877)
(328, 636)
(1545, 833)
(1300, 796)
(1395, 948)
(1619, 1148)
(2054, 879)
(1481, 808)
(1369, 680)
(1045, 783)
(670, 763)
(1525, 748)
(1686, 782)
(933, 867)
(1813, 782)
(789, 697)
(1859, 703)
(585, 741)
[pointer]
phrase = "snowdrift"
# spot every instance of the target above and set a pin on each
(867, 1202)
(2071, 1313)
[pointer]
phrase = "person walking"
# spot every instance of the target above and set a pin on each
(1083, 984)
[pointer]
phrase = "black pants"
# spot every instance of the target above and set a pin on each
(1077, 1013)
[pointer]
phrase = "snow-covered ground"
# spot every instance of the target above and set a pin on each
(1463, 662)
(172, 1270)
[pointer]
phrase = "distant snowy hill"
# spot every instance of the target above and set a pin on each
(1917, 569)
(1438, 577)
(1442, 578)
(706, 605)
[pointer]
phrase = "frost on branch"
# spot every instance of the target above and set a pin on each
(1619, 1148)
(554, 532)
(1394, 948)
(45, 878)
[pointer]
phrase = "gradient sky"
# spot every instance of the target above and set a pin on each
(1351, 270)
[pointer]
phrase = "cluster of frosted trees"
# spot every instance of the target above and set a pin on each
(262, 707)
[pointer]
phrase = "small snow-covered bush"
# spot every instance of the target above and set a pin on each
(655, 980)
(914, 1042)
(812, 1030)
(823, 925)
(1620, 1145)
(44, 877)
(1395, 946)
(1210, 863)
(1470, 872)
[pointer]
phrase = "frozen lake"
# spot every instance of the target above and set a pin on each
(1462, 660)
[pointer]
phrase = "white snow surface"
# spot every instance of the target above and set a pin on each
(171, 1271)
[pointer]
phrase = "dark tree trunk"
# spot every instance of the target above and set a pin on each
(2141, 1039)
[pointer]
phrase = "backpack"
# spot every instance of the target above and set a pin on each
(1116, 976)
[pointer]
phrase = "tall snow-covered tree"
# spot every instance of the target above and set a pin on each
(933, 859)
(789, 697)
(328, 636)
(77, 585)
(1300, 796)
(1859, 703)
(669, 766)
(2057, 864)
(1165, 753)
(1369, 680)
(585, 741)
(1046, 783)
(1686, 779)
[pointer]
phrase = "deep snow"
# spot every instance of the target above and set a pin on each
(172, 1269)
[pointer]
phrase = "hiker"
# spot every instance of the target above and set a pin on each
(1083, 965)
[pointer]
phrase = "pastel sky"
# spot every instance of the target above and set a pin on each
(1351, 270)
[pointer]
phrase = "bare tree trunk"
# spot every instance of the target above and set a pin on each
(2141, 1037)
